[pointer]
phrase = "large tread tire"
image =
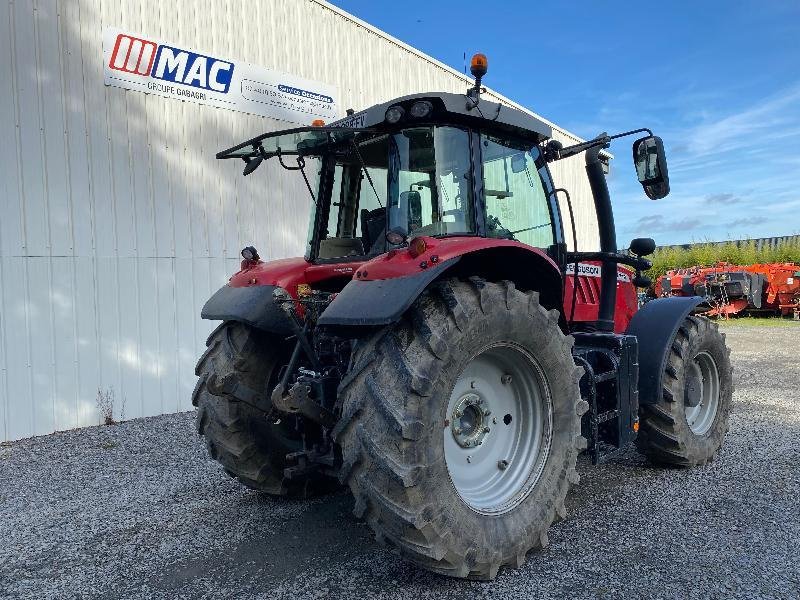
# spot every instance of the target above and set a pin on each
(231, 395)
(664, 435)
(394, 403)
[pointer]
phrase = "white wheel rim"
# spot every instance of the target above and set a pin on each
(702, 372)
(502, 390)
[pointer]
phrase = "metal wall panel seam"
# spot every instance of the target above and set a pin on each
(3, 336)
(112, 216)
(37, 53)
(22, 196)
(28, 353)
(18, 134)
(37, 23)
(91, 150)
(6, 399)
(71, 201)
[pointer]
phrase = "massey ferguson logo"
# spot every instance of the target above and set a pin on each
(143, 57)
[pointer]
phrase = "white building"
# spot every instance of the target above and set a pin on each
(117, 222)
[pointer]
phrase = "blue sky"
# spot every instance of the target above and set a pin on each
(718, 81)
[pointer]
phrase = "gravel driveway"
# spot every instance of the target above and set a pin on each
(139, 510)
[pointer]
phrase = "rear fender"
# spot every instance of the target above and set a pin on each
(250, 305)
(248, 296)
(387, 286)
(655, 326)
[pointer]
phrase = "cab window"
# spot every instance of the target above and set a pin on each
(517, 206)
(430, 183)
(356, 220)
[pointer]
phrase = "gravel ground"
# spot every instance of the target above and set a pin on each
(139, 510)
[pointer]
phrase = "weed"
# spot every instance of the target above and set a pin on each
(105, 406)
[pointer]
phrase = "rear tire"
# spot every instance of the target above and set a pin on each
(688, 425)
(396, 403)
(236, 374)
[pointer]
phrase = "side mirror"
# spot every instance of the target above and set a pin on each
(643, 246)
(252, 164)
(651, 166)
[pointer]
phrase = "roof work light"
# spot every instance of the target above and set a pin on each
(478, 65)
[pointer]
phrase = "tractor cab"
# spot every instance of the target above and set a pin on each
(423, 165)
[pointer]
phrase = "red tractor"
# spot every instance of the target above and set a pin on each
(439, 349)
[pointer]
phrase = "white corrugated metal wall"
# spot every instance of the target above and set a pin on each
(117, 223)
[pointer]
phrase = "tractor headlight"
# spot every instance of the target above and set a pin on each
(421, 109)
(394, 114)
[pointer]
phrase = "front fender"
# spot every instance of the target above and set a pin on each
(655, 326)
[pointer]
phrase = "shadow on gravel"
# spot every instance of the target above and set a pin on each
(325, 534)
(325, 538)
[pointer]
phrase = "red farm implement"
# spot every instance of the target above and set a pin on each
(782, 293)
(732, 289)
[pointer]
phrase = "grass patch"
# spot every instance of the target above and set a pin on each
(708, 254)
(758, 322)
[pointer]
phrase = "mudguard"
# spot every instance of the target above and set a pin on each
(251, 305)
(655, 326)
(379, 301)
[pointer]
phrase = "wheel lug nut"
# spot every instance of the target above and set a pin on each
(469, 459)
(486, 430)
(502, 464)
(505, 379)
(472, 384)
(494, 420)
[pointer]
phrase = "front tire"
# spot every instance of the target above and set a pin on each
(688, 424)
(406, 464)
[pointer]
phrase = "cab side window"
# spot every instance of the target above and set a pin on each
(517, 206)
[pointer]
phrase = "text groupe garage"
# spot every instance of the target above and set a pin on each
(177, 90)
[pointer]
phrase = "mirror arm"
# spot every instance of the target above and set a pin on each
(601, 140)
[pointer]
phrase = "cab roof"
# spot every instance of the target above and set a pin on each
(448, 109)
(454, 108)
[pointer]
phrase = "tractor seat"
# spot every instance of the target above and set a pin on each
(373, 229)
